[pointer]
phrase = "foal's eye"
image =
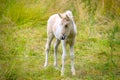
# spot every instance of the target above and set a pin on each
(66, 26)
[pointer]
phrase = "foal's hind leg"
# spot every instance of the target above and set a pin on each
(55, 52)
(49, 40)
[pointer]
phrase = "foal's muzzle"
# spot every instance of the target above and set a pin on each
(63, 37)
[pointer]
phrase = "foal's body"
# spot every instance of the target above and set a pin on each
(63, 28)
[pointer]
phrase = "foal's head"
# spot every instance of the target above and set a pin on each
(65, 26)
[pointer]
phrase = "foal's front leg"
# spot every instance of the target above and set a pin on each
(63, 56)
(72, 59)
(47, 48)
(55, 52)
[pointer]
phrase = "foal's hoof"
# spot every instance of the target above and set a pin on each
(73, 73)
(56, 67)
(45, 65)
(62, 74)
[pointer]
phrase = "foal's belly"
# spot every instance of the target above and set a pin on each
(69, 40)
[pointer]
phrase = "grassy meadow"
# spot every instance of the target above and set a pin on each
(23, 38)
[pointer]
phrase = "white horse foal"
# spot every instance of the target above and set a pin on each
(63, 28)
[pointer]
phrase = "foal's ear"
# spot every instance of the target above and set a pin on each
(59, 15)
(67, 17)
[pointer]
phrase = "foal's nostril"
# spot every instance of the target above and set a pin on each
(63, 37)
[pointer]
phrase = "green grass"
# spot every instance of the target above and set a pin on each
(23, 38)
